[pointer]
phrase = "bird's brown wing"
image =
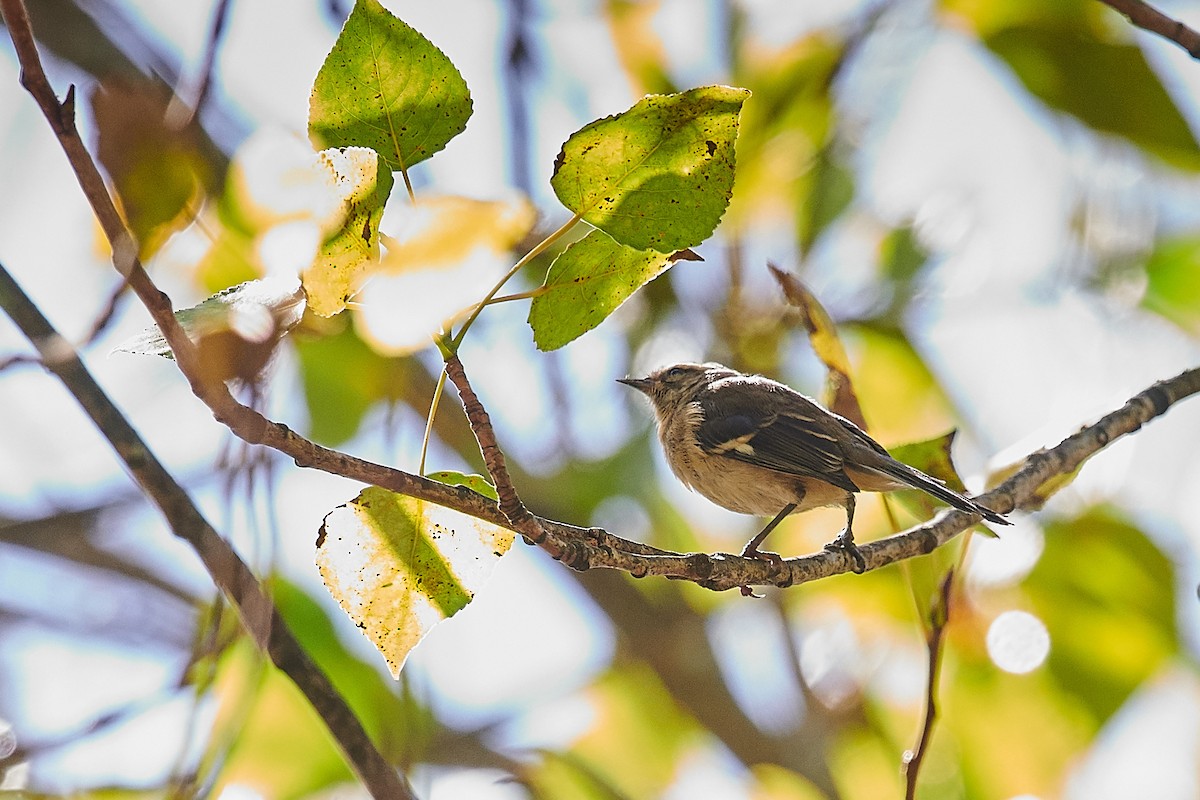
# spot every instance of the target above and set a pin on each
(797, 443)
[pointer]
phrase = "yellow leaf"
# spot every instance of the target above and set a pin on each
(398, 565)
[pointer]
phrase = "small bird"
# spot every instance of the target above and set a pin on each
(755, 446)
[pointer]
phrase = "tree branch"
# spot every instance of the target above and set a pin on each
(231, 575)
(1151, 19)
(939, 618)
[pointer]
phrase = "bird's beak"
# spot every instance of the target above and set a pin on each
(641, 384)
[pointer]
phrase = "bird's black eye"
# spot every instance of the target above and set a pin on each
(675, 373)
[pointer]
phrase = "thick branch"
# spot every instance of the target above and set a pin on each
(231, 575)
(1151, 19)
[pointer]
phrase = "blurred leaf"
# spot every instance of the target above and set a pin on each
(396, 723)
(829, 189)
(155, 168)
(777, 783)
(587, 282)
(235, 331)
(902, 255)
(658, 176)
(839, 395)
(387, 87)
(1107, 85)
(1173, 282)
(282, 748)
(639, 46)
(363, 184)
(786, 135)
(476, 483)
(398, 565)
(640, 733)
(343, 377)
(1106, 593)
(444, 254)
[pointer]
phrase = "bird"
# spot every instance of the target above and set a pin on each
(756, 446)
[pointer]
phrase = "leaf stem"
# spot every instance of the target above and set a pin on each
(453, 343)
(517, 296)
(433, 407)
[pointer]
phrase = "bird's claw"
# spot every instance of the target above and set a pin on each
(774, 559)
(845, 543)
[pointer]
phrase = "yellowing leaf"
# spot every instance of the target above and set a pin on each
(398, 565)
(362, 185)
(822, 333)
(445, 254)
(156, 169)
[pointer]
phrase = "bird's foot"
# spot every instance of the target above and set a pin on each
(774, 559)
(845, 543)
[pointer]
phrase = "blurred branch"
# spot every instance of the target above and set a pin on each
(227, 570)
(259, 616)
(939, 617)
(1151, 19)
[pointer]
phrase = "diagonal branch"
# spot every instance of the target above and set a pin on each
(231, 575)
(1151, 19)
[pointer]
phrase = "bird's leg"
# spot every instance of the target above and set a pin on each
(751, 549)
(845, 540)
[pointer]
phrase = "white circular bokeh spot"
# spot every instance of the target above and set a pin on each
(1018, 642)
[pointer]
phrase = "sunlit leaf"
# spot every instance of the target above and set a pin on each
(839, 394)
(443, 256)
(476, 483)
(363, 186)
(235, 331)
(1107, 85)
(387, 87)
(587, 282)
(156, 169)
(398, 565)
(658, 176)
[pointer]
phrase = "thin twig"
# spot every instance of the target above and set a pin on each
(939, 617)
(1151, 19)
(259, 616)
(219, 18)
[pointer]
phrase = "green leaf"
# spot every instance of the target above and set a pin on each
(1107, 85)
(398, 565)
(658, 176)
(586, 283)
(387, 87)
(1173, 285)
(364, 184)
(343, 377)
(476, 483)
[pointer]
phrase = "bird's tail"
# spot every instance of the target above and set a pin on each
(932, 486)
